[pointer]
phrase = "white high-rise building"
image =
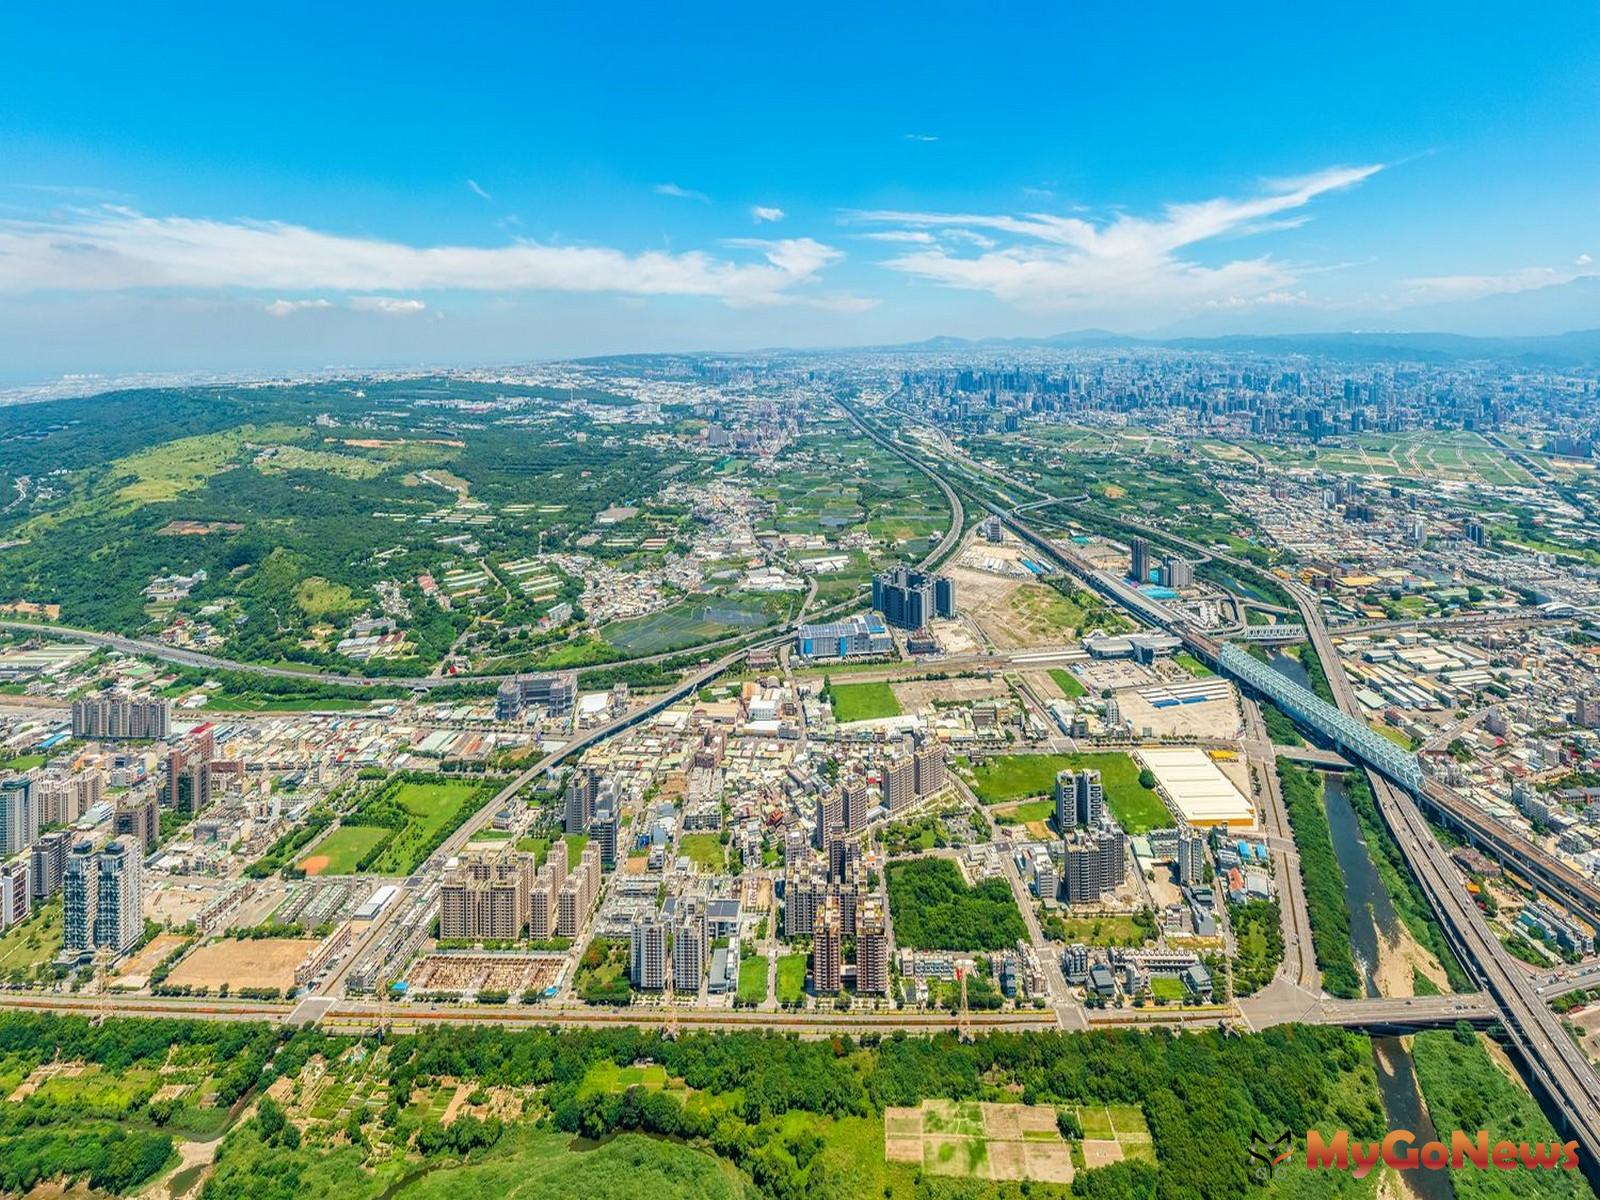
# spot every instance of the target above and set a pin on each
(119, 913)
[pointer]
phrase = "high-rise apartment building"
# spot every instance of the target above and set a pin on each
(1139, 560)
(1080, 800)
(16, 892)
(688, 948)
(137, 817)
(109, 717)
(80, 890)
(872, 948)
(648, 947)
(49, 862)
(19, 815)
(1094, 863)
(827, 949)
(908, 599)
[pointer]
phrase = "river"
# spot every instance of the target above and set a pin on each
(1373, 922)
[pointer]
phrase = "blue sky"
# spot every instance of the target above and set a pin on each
(295, 186)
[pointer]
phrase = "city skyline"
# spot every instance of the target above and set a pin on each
(198, 197)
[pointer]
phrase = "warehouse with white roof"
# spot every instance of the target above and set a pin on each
(1196, 787)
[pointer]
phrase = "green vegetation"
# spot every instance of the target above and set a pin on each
(791, 978)
(705, 850)
(1258, 929)
(1465, 1089)
(344, 848)
(735, 1115)
(1067, 682)
(934, 909)
(419, 812)
(27, 947)
(1405, 893)
(1280, 726)
(1192, 664)
(753, 980)
(1108, 929)
(862, 701)
(1323, 879)
(602, 976)
(1009, 777)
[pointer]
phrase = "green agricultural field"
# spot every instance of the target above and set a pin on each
(705, 850)
(341, 850)
(791, 978)
(863, 701)
(1009, 777)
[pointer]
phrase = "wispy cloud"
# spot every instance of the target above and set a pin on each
(477, 190)
(922, 137)
(284, 308)
(112, 248)
(681, 193)
(1044, 261)
(391, 306)
(762, 212)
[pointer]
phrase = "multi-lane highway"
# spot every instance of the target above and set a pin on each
(1555, 1065)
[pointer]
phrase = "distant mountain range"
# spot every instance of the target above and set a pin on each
(1577, 349)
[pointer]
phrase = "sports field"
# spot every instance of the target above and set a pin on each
(341, 850)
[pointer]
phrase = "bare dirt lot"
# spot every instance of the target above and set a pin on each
(921, 693)
(135, 972)
(485, 972)
(250, 963)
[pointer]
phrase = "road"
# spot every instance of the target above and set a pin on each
(1556, 1067)
(1299, 956)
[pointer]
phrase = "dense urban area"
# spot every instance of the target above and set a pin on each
(957, 771)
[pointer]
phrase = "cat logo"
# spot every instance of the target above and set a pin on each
(1269, 1157)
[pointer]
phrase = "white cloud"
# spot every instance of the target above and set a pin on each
(477, 190)
(111, 248)
(388, 305)
(762, 212)
(1583, 260)
(681, 193)
(283, 308)
(1472, 287)
(922, 137)
(1050, 263)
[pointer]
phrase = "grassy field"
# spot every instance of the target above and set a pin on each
(1112, 930)
(753, 979)
(863, 701)
(1192, 664)
(791, 978)
(1163, 987)
(341, 850)
(430, 809)
(1067, 682)
(31, 944)
(1010, 777)
(705, 850)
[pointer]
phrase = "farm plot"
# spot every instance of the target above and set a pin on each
(979, 1140)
